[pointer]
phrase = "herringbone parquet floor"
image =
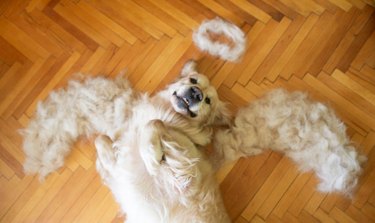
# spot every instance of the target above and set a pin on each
(325, 47)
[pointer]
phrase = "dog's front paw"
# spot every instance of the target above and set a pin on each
(106, 153)
(152, 151)
(103, 142)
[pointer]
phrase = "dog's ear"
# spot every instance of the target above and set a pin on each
(189, 67)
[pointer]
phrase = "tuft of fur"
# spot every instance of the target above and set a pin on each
(217, 26)
(308, 132)
(94, 105)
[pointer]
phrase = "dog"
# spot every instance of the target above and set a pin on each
(160, 177)
(306, 131)
(148, 146)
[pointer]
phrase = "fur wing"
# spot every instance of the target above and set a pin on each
(308, 132)
(82, 108)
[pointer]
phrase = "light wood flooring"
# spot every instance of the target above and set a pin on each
(325, 47)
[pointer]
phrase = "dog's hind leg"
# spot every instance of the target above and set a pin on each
(232, 144)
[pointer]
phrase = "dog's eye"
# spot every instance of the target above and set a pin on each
(193, 81)
(207, 100)
(162, 158)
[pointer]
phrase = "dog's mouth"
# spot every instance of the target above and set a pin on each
(183, 103)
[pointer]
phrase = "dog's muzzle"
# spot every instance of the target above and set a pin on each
(193, 95)
(188, 99)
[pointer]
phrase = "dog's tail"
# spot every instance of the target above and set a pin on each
(63, 117)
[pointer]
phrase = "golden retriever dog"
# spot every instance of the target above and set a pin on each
(148, 146)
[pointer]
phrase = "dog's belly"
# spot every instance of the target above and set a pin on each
(136, 207)
(139, 197)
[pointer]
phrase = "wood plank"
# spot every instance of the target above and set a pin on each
(275, 55)
(61, 35)
(32, 28)
(104, 21)
(343, 4)
(222, 11)
(256, 203)
(305, 7)
(177, 14)
(163, 63)
(291, 194)
(281, 187)
(79, 207)
(356, 215)
(243, 93)
(263, 53)
(62, 203)
(365, 56)
(292, 48)
(25, 197)
(118, 16)
(53, 82)
(303, 197)
(21, 41)
(355, 113)
(238, 11)
(357, 44)
(10, 191)
(288, 12)
(364, 105)
(268, 8)
(145, 20)
(323, 217)
(111, 210)
(314, 203)
(310, 47)
(252, 10)
(37, 208)
(325, 48)
(239, 189)
(354, 86)
(333, 40)
(152, 7)
(250, 39)
(68, 27)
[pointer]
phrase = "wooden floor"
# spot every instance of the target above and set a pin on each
(324, 47)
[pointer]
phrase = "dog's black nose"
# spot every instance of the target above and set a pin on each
(196, 94)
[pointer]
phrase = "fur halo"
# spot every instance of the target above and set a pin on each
(220, 27)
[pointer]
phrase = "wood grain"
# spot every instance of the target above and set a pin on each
(326, 48)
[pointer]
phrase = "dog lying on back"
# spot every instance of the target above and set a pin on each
(148, 146)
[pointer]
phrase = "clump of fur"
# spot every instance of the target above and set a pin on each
(217, 26)
(308, 132)
(93, 105)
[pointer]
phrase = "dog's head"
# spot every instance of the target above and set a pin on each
(193, 96)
